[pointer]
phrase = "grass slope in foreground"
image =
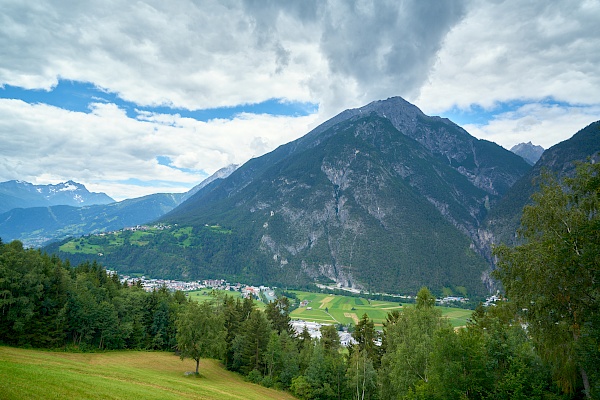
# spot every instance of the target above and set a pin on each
(37, 374)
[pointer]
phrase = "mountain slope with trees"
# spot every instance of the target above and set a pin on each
(382, 197)
(561, 160)
(38, 226)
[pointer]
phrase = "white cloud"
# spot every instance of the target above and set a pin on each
(543, 124)
(222, 54)
(515, 50)
(105, 148)
(334, 53)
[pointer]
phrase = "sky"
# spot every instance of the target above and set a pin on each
(138, 97)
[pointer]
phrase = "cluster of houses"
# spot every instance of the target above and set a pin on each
(314, 329)
(256, 292)
(158, 227)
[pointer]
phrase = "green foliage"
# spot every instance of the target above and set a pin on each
(200, 332)
(278, 313)
(553, 276)
(409, 345)
(47, 303)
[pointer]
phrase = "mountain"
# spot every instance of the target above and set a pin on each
(20, 194)
(560, 160)
(37, 226)
(220, 174)
(381, 197)
(485, 170)
(530, 152)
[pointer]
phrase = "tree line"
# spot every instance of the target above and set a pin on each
(45, 302)
(544, 343)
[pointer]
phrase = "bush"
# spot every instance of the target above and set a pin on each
(255, 376)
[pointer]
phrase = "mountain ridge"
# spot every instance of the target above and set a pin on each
(21, 194)
(476, 176)
(356, 201)
(37, 226)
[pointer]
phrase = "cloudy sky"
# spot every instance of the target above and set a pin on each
(131, 97)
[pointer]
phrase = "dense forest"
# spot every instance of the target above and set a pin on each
(543, 343)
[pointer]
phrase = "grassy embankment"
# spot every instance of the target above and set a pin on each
(38, 374)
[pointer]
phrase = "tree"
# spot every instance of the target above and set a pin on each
(553, 275)
(361, 375)
(251, 343)
(409, 340)
(200, 332)
(330, 338)
(278, 312)
(366, 337)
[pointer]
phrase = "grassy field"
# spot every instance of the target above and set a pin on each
(337, 309)
(326, 308)
(36, 374)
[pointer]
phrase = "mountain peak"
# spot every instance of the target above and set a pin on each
(21, 194)
(528, 151)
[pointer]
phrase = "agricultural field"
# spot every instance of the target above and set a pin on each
(38, 374)
(328, 308)
(338, 309)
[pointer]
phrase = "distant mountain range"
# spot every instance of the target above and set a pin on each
(20, 194)
(380, 198)
(529, 151)
(38, 226)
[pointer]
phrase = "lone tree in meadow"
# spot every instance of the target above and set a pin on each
(200, 332)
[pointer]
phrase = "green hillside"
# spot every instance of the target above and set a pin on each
(35, 374)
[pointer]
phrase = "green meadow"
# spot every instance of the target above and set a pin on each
(38, 374)
(339, 309)
(329, 308)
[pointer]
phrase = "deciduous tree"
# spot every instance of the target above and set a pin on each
(200, 332)
(553, 276)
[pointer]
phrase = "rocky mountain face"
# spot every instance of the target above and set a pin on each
(20, 194)
(503, 220)
(382, 197)
(37, 226)
(529, 151)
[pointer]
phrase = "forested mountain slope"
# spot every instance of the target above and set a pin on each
(381, 197)
(560, 160)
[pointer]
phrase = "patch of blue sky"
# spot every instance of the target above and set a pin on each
(77, 96)
(166, 161)
(478, 115)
